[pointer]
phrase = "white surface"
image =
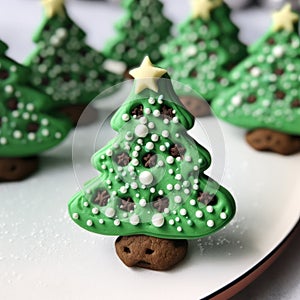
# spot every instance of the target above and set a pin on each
(43, 255)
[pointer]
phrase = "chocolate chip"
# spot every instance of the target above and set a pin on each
(295, 103)
(12, 103)
(161, 203)
(206, 198)
(279, 95)
(138, 111)
(66, 77)
(279, 72)
(4, 74)
(177, 150)
(45, 81)
(271, 41)
(193, 74)
(101, 77)
(149, 160)
(32, 127)
(82, 78)
(101, 197)
(127, 204)
(166, 112)
(251, 99)
(123, 159)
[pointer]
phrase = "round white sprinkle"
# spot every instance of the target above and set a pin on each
(147, 111)
(125, 117)
(95, 211)
(75, 216)
(177, 199)
(171, 222)
(178, 177)
(123, 189)
(143, 202)
(177, 186)
(158, 220)
(101, 221)
(110, 212)
(58, 135)
(170, 160)
(210, 223)
(171, 171)
(154, 137)
(169, 187)
(146, 177)
(179, 228)
(236, 100)
(134, 220)
(31, 136)
(199, 214)
(17, 134)
(134, 185)
(183, 212)
(86, 204)
(143, 120)
(175, 120)
(151, 101)
(149, 145)
(141, 130)
(209, 209)
(188, 158)
(135, 162)
(135, 154)
(223, 216)
(162, 148)
(152, 190)
(151, 125)
(193, 202)
(117, 222)
(89, 223)
(278, 51)
(156, 113)
(160, 163)
(165, 133)
(137, 148)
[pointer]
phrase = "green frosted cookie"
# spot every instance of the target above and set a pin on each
(63, 65)
(141, 31)
(26, 128)
(265, 86)
(205, 49)
(151, 177)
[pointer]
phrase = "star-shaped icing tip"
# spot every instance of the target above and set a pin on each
(285, 19)
(54, 7)
(146, 76)
(203, 8)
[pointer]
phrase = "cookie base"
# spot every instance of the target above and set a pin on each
(80, 115)
(196, 106)
(273, 141)
(150, 252)
(17, 168)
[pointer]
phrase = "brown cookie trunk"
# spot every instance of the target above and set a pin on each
(274, 141)
(196, 106)
(150, 252)
(126, 74)
(17, 168)
(80, 115)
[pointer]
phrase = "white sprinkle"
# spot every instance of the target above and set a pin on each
(86, 204)
(278, 51)
(199, 214)
(179, 228)
(151, 100)
(31, 136)
(17, 134)
(236, 100)
(223, 216)
(152, 190)
(123, 189)
(175, 120)
(171, 171)
(156, 113)
(160, 163)
(154, 137)
(143, 202)
(177, 186)
(183, 212)
(210, 223)
(30, 107)
(134, 185)
(125, 117)
(170, 160)
(158, 220)
(151, 125)
(110, 212)
(169, 187)
(177, 199)
(58, 135)
(143, 120)
(149, 145)
(135, 154)
(141, 130)
(193, 202)
(117, 222)
(162, 148)
(75, 216)
(209, 209)
(101, 221)
(134, 220)
(89, 223)
(147, 111)
(165, 133)
(171, 222)
(95, 211)
(146, 177)
(178, 177)
(196, 187)
(186, 191)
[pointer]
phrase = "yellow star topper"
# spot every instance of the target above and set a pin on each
(54, 7)
(146, 76)
(285, 19)
(203, 8)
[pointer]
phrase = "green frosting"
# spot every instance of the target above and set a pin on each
(25, 126)
(141, 31)
(64, 66)
(203, 53)
(265, 86)
(151, 177)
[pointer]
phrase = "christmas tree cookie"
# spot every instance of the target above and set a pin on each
(25, 127)
(152, 190)
(142, 30)
(265, 95)
(202, 54)
(63, 65)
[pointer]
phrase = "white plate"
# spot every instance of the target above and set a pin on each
(44, 255)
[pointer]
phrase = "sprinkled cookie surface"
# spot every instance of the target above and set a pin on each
(265, 87)
(204, 51)
(151, 174)
(63, 65)
(25, 126)
(142, 30)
